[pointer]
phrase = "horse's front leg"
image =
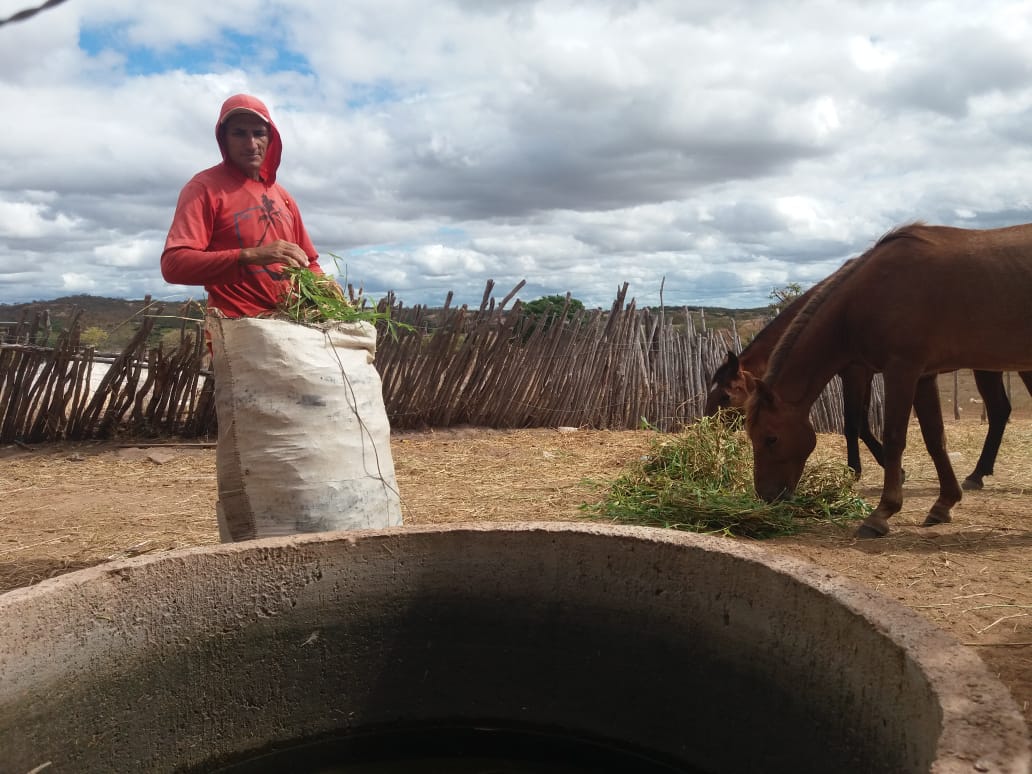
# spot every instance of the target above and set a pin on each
(929, 415)
(899, 397)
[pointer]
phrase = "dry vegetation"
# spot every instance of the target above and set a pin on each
(65, 507)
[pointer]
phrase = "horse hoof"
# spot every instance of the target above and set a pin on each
(970, 484)
(934, 519)
(867, 531)
(864, 532)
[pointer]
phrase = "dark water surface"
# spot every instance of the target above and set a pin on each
(452, 750)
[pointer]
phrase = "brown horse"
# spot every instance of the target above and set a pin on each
(924, 300)
(732, 384)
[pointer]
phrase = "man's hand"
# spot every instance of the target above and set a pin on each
(280, 251)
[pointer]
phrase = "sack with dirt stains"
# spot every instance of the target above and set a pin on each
(304, 440)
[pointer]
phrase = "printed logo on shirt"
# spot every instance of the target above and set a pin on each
(272, 218)
(269, 215)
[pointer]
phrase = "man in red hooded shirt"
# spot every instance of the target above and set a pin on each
(234, 226)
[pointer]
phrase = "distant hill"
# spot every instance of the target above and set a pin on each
(117, 317)
(96, 310)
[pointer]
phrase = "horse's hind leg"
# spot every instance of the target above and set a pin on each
(856, 398)
(929, 415)
(864, 424)
(899, 397)
(871, 440)
(997, 410)
(1026, 377)
(852, 434)
(866, 434)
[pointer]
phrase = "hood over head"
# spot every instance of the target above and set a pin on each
(248, 104)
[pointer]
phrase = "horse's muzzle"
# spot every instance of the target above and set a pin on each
(775, 493)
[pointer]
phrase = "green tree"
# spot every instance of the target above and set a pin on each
(545, 310)
(783, 296)
(93, 336)
(552, 306)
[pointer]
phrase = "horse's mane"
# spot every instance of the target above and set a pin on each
(914, 230)
(772, 329)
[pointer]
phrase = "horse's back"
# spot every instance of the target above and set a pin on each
(950, 297)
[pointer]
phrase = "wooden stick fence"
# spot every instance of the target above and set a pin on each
(624, 368)
(46, 395)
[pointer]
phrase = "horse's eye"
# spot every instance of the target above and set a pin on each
(770, 440)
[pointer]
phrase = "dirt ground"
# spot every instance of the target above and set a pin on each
(64, 507)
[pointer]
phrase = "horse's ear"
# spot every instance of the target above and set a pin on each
(740, 387)
(749, 380)
(725, 372)
(760, 390)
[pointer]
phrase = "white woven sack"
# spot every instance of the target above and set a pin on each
(304, 440)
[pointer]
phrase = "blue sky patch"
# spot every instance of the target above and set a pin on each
(232, 50)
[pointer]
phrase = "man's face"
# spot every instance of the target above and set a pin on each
(247, 140)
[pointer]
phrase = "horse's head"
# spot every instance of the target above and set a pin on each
(730, 386)
(782, 440)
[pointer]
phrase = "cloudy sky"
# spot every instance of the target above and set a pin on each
(715, 149)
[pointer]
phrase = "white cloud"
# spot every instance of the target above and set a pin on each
(870, 56)
(75, 282)
(438, 261)
(134, 253)
(30, 220)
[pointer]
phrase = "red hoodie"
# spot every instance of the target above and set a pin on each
(222, 210)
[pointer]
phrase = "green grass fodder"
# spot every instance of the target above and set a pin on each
(700, 480)
(315, 299)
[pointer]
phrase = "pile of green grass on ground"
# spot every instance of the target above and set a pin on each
(700, 480)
